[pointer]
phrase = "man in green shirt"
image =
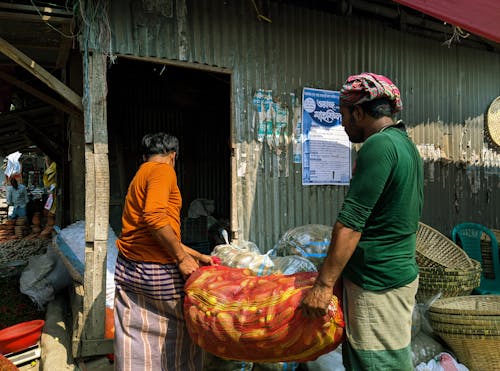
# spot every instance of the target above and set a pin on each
(373, 240)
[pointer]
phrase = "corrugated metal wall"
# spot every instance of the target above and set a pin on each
(446, 92)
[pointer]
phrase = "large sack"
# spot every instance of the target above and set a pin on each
(236, 315)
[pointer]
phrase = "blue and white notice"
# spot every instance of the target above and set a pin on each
(326, 149)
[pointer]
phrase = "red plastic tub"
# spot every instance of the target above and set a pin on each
(21, 336)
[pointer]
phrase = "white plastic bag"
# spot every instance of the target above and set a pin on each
(13, 164)
(244, 255)
(442, 362)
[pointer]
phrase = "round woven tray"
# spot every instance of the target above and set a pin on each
(436, 250)
(477, 305)
(450, 282)
(459, 329)
(476, 322)
(424, 294)
(493, 121)
(452, 273)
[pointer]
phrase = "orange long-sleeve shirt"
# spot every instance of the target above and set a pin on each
(153, 201)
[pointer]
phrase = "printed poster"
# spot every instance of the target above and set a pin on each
(326, 149)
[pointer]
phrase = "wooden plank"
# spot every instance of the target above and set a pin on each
(96, 130)
(42, 9)
(101, 215)
(42, 96)
(94, 300)
(38, 71)
(15, 16)
(90, 194)
(76, 299)
(181, 64)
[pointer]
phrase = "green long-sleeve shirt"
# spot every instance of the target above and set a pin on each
(384, 203)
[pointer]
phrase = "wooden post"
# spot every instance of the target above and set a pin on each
(90, 329)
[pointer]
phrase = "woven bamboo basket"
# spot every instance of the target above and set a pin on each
(470, 325)
(493, 121)
(424, 293)
(450, 282)
(436, 250)
(477, 352)
(472, 322)
(487, 254)
(475, 305)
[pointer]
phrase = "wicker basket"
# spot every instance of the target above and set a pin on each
(477, 352)
(475, 305)
(436, 250)
(449, 282)
(493, 121)
(486, 254)
(470, 325)
(472, 322)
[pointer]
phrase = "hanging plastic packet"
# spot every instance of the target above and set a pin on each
(258, 100)
(281, 121)
(297, 131)
(270, 114)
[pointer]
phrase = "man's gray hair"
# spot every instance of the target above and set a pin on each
(159, 143)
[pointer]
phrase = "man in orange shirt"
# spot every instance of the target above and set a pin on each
(152, 266)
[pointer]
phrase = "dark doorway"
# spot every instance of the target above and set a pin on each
(192, 104)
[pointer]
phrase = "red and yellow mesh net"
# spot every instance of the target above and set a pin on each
(234, 314)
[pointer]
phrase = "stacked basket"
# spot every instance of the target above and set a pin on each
(444, 267)
(470, 325)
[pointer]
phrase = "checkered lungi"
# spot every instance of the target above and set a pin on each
(150, 332)
(378, 327)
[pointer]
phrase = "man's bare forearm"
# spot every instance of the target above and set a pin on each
(167, 239)
(342, 245)
(195, 254)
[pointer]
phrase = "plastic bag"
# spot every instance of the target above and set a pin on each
(424, 347)
(328, 362)
(292, 264)
(310, 241)
(44, 276)
(442, 362)
(416, 320)
(236, 315)
(74, 237)
(244, 255)
(425, 325)
(13, 165)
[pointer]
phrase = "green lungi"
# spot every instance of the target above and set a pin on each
(378, 327)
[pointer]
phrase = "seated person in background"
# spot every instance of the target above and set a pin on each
(17, 196)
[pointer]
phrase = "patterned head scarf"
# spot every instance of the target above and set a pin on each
(369, 86)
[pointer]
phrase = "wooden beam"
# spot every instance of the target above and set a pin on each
(42, 96)
(45, 76)
(42, 9)
(38, 46)
(14, 16)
